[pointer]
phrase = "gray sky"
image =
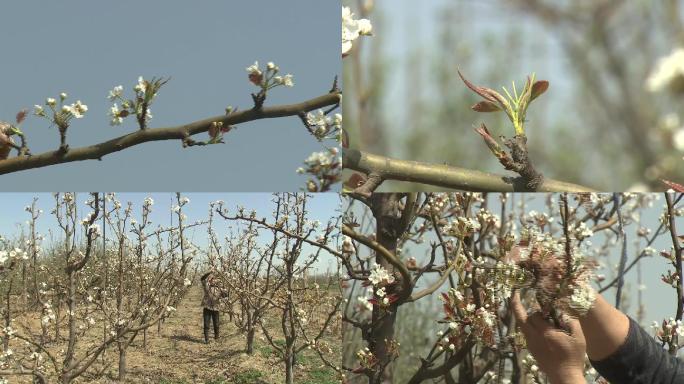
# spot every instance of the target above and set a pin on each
(86, 48)
(321, 206)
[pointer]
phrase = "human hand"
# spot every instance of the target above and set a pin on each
(559, 354)
(5, 141)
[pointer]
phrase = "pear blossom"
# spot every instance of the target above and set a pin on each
(255, 74)
(287, 80)
(76, 109)
(141, 87)
(115, 93)
(254, 69)
(380, 276)
(115, 114)
(668, 71)
(352, 29)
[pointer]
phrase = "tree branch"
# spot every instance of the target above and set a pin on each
(444, 175)
(181, 132)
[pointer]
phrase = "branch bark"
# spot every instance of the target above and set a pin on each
(181, 132)
(444, 175)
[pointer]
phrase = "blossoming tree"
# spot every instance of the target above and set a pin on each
(404, 250)
(80, 292)
(274, 277)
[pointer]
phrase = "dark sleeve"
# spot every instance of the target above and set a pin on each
(640, 360)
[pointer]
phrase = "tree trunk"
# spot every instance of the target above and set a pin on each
(289, 366)
(388, 232)
(122, 361)
(250, 339)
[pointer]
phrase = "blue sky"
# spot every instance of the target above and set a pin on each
(86, 48)
(321, 206)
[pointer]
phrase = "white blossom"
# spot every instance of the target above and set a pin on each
(254, 69)
(141, 87)
(114, 113)
(379, 275)
(115, 93)
(352, 29)
(667, 71)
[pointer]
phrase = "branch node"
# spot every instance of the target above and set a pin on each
(522, 164)
(370, 185)
(259, 99)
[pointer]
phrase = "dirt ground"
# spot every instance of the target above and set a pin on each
(178, 355)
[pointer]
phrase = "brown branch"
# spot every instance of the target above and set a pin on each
(385, 254)
(181, 132)
(426, 371)
(677, 260)
(444, 175)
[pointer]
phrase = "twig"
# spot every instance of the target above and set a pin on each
(623, 252)
(677, 252)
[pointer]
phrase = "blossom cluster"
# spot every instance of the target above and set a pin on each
(352, 29)
(465, 318)
(562, 282)
(378, 284)
(379, 276)
(269, 77)
(461, 227)
(62, 113)
(13, 254)
(669, 331)
(323, 126)
(139, 106)
(325, 167)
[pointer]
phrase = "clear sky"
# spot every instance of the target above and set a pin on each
(321, 206)
(86, 48)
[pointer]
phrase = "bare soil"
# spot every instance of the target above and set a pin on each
(178, 355)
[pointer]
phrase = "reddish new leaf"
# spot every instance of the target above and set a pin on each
(675, 186)
(538, 88)
(487, 93)
(355, 180)
(485, 106)
(21, 115)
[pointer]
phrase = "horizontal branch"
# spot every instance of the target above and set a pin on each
(444, 175)
(97, 151)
